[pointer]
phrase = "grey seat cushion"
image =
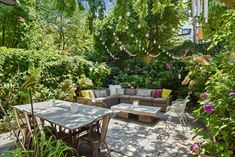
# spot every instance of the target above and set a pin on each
(159, 100)
(103, 99)
(124, 96)
(141, 98)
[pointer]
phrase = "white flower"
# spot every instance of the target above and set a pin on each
(139, 26)
(114, 33)
(120, 17)
(128, 14)
(132, 35)
(147, 35)
(154, 41)
(127, 27)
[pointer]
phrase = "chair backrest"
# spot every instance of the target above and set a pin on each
(19, 118)
(104, 126)
(185, 101)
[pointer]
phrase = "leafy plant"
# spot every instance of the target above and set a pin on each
(212, 81)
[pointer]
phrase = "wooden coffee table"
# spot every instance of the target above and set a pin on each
(145, 113)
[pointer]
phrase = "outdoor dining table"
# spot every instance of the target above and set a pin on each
(60, 114)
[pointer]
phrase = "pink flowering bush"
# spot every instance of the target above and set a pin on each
(214, 85)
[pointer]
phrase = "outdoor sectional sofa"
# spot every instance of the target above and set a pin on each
(144, 96)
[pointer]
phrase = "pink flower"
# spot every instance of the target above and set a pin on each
(204, 96)
(232, 94)
(196, 147)
(21, 19)
(208, 108)
(168, 65)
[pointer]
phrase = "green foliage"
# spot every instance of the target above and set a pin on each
(42, 145)
(153, 76)
(135, 28)
(57, 74)
(221, 26)
(216, 78)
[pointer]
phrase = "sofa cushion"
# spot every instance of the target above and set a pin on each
(92, 94)
(103, 99)
(120, 91)
(144, 92)
(124, 96)
(101, 93)
(85, 93)
(166, 93)
(158, 93)
(159, 100)
(130, 91)
(113, 88)
(141, 98)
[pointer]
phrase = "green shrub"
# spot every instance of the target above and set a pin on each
(59, 74)
(213, 81)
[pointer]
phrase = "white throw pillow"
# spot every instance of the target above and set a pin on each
(113, 89)
(120, 91)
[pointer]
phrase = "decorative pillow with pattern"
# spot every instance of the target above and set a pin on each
(144, 92)
(120, 91)
(101, 93)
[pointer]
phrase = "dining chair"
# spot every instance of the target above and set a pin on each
(177, 109)
(21, 125)
(96, 137)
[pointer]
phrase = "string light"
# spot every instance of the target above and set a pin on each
(110, 52)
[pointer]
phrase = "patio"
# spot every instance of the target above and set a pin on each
(128, 137)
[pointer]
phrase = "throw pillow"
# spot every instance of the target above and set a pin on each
(113, 88)
(92, 94)
(166, 93)
(144, 92)
(85, 93)
(130, 91)
(101, 93)
(120, 91)
(158, 93)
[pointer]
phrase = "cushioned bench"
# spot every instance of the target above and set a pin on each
(144, 96)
